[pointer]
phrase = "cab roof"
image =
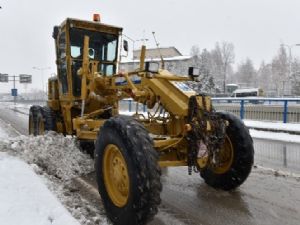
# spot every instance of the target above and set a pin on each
(91, 25)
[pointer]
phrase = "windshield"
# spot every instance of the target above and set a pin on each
(102, 48)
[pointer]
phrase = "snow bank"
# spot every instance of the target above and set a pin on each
(273, 125)
(24, 199)
(275, 136)
(3, 134)
(57, 159)
(57, 155)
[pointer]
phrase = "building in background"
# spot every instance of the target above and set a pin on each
(175, 62)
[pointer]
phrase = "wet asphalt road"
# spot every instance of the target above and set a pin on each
(264, 199)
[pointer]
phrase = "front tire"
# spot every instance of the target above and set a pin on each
(128, 174)
(238, 149)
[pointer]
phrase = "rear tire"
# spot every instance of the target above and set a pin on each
(87, 147)
(125, 141)
(49, 119)
(242, 157)
(41, 119)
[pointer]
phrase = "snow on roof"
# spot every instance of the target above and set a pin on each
(175, 58)
(246, 90)
(155, 52)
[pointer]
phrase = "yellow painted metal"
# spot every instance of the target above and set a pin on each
(53, 104)
(208, 103)
(31, 125)
(171, 97)
(202, 162)
(167, 163)
(85, 68)
(41, 127)
(66, 112)
(200, 101)
(142, 58)
(87, 135)
(90, 123)
(115, 174)
(161, 144)
(224, 158)
(60, 127)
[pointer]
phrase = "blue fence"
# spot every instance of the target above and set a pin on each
(264, 109)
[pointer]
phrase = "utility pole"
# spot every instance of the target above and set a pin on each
(14, 90)
(42, 69)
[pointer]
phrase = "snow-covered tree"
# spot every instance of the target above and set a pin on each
(295, 77)
(223, 58)
(246, 74)
(280, 71)
(203, 61)
(264, 78)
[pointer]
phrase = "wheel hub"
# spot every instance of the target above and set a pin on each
(116, 177)
(222, 160)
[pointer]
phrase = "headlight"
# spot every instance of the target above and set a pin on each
(152, 67)
(194, 71)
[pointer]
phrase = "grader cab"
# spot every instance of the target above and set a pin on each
(181, 128)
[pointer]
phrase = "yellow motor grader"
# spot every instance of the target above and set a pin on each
(181, 128)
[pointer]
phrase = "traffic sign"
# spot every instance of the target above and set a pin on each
(3, 77)
(14, 92)
(25, 78)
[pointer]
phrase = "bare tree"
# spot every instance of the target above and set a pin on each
(223, 57)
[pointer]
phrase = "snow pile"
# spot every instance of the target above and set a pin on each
(275, 136)
(25, 199)
(288, 127)
(57, 155)
(266, 170)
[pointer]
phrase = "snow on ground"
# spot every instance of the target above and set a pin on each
(3, 135)
(56, 159)
(25, 199)
(275, 136)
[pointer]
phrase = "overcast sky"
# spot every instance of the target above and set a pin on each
(255, 27)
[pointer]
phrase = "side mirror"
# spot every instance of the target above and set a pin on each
(125, 45)
(194, 72)
(55, 32)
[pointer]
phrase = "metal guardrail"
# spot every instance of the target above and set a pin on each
(277, 154)
(286, 110)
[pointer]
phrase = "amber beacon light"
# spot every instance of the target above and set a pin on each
(96, 18)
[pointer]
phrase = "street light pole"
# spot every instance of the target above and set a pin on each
(290, 56)
(42, 73)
